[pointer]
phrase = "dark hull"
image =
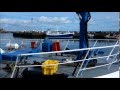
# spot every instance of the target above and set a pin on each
(62, 36)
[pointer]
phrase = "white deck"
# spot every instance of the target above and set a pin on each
(112, 75)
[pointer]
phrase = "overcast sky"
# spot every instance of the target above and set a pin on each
(100, 21)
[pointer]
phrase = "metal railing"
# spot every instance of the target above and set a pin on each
(81, 69)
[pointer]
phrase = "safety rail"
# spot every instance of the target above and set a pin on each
(81, 60)
(73, 50)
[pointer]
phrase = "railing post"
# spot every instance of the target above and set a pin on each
(111, 51)
(85, 60)
(15, 67)
(66, 44)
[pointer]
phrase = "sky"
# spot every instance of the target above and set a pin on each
(64, 21)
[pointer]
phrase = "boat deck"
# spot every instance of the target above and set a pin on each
(69, 68)
(110, 57)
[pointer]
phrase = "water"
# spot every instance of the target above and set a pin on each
(73, 44)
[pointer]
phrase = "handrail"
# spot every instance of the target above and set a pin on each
(72, 61)
(68, 50)
(72, 50)
(80, 69)
(85, 58)
(64, 63)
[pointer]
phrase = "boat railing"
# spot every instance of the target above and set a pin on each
(82, 67)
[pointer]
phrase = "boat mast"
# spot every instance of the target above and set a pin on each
(57, 29)
(84, 17)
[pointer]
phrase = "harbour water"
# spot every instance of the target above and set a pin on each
(72, 44)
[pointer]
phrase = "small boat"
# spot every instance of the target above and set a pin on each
(55, 34)
(16, 49)
(59, 35)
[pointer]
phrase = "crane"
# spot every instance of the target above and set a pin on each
(84, 17)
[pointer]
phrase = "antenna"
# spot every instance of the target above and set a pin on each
(32, 19)
(57, 28)
(119, 21)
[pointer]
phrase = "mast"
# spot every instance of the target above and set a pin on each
(57, 29)
(84, 17)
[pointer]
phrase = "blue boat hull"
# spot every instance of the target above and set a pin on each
(12, 56)
(65, 36)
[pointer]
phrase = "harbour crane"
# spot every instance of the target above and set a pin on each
(84, 18)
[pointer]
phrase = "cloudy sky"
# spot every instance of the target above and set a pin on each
(100, 21)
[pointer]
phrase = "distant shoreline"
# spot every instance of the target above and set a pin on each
(42, 35)
(97, 35)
